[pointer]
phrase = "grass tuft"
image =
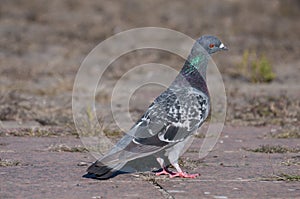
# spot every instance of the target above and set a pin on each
(200, 135)
(294, 161)
(39, 132)
(273, 149)
(288, 177)
(257, 69)
(9, 163)
(66, 148)
(112, 133)
(287, 134)
(262, 70)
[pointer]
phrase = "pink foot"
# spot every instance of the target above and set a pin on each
(183, 175)
(164, 172)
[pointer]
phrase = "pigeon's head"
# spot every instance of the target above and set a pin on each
(211, 44)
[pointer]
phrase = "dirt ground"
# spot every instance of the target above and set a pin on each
(42, 44)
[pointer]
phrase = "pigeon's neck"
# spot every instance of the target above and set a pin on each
(193, 73)
(195, 64)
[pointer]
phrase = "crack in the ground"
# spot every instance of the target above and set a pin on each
(160, 188)
(163, 191)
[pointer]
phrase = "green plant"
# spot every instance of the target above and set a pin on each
(243, 66)
(262, 70)
(257, 69)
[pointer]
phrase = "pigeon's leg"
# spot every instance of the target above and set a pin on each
(182, 174)
(174, 153)
(165, 170)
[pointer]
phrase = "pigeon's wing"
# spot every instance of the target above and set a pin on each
(172, 117)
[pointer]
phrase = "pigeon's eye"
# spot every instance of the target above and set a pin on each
(211, 45)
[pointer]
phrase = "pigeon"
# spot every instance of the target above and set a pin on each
(167, 127)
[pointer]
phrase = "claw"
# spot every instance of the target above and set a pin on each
(164, 171)
(183, 175)
(172, 174)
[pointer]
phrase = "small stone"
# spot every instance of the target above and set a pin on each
(220, 197)
(96, 197)
(81, 164)
(176, 191)
(273, 130)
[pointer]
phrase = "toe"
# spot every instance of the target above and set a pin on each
(183, 175)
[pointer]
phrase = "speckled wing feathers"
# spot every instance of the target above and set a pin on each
(173, 116)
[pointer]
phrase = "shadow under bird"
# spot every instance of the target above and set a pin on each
(166, 128)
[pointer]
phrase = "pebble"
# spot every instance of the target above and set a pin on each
(220, 197)
(81, 164)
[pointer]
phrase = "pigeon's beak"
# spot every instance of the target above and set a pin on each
(223, 47)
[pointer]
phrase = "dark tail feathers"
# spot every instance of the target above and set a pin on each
(102, 171)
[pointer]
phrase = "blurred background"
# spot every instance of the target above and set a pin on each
(42, 44)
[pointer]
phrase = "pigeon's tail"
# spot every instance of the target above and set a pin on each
(113, 163)
(108, 166)
(103, 171)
